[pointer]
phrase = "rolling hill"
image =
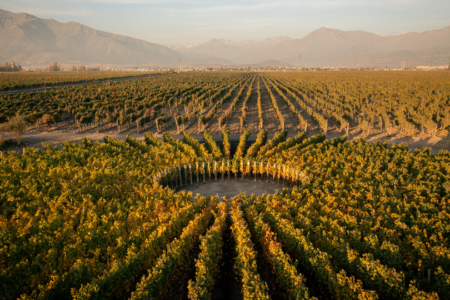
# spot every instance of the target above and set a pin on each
(34, 41)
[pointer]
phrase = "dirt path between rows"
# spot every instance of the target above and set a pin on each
(233, 122)
(271, 122)
(290, 121)
(252, 110)
(312, 127)
(214, 124)
(193, 127)
(38, 139)
(180, 110)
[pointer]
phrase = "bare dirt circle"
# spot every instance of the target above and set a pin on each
(231, 188)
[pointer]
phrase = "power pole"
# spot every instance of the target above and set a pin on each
(432, 59)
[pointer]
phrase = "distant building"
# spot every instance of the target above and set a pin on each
(434, 68)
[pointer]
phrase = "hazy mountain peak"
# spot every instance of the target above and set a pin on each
(325, 31)
(277, 38)
(31, 40)
(34, 41)
(19, 14)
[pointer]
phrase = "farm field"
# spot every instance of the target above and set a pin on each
(352, 220)
(405, 106)
(411, 107)
(25, 80)
(104, 209)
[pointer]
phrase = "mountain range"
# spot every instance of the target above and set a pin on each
(33, 41)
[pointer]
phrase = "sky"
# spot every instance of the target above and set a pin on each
(180, 22)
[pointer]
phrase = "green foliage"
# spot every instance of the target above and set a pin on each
(226, 143)
(242, 143)
(211, 145)
(360, 220)
(260, 140)
(195, 144)
(279, 137)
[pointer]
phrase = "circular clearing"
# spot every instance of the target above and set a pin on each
(231, 188)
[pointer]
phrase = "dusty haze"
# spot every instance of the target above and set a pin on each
(33, 41)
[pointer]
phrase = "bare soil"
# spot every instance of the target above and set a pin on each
(312, 125)
(291, 122)
(38, 139)
(193, 127)
(252, 122)
(231, 188)
(214, 124)
(68, 131)
(233, 122)
(271, 122)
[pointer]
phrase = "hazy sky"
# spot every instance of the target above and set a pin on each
(177, 22)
